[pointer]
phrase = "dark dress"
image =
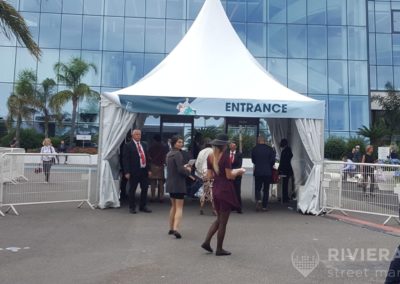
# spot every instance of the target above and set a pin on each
(223, 189)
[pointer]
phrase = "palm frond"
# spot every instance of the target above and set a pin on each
(12, 23)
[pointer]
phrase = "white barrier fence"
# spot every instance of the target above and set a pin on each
(70, 182)
(13, 169)
(366, 188)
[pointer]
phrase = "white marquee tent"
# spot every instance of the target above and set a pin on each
(211, 73)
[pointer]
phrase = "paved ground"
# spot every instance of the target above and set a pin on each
(62, 244)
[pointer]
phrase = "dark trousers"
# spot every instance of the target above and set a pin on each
(262, 182)
(372, 181)
(393, 275)
(142, 179)
(285, 188)
(122, 187)
(238, 185)
(46, 169)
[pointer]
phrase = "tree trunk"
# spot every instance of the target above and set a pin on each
(73, 122)
(18, 131)
(46, 124)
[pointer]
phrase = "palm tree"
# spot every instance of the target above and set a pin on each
(375, 133)
(19, 102)
(42, 102)
(12, 23)
(71, 75)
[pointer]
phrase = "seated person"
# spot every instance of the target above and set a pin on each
(349, 167)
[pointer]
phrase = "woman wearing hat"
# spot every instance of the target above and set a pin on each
(223, 190)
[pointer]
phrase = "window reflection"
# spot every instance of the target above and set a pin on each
(155, 8)
(7, 59)
(74, 6)
(92, 32)
(50, 30)
(194, 7)
(175, 31)
(296, 10)
(382, 17)
(151, 61)
(277, 11)
(71, 31)
(29, 5)
(176, 9)
(356, 12)
(135, 8)
(24, 60)
(236, 11)
(358, 112)
(155, 35)
(297, 41)
(257, 10)
(384, 75)
(134, 34)
(6, 90)
(337, 42)
(94, 57)
(93, 7)
(46, 64)
(358, 76)
(133, 68)
(240, 29)
(278, 68)
(113, 35)
(256, 39)
(338, 113)
(53, 6)
(336, 12)
(384, 49)
(337, 74)
(297, 75)
(357, 43)
(112, 69)
(316, 12)
(317, 77)
(317, 42)
(114, 7)
(372, 77)
(277, 46)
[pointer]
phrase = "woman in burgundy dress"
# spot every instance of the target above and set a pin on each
(225, 200)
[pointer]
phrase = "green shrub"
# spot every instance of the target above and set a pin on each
(335, 148)
(30, 139)
(353, 141)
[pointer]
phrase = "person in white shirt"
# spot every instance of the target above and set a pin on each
(348, 168)
(201, 172)
(47, 160)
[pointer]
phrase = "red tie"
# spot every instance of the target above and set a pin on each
(232, 157)
(141, 154)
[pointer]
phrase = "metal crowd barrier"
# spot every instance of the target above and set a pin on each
(13, 170)
(71, 182)
(367, 188)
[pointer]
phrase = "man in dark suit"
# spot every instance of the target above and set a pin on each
(236, 161)
(263, 158)
(137, 170)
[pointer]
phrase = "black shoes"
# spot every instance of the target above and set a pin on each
(177, 235)
(239, 211)
(222, 252)
(145, 209)
(170, 232)
(207, 247)
(132, 211)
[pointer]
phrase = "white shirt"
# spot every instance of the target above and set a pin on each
(201, 161)
(47, 150)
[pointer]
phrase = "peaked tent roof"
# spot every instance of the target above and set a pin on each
(212, 62)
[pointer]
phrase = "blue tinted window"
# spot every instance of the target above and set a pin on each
(24, 60)
(256, 39)
(176, 9)
(53, 6)
(372, 48)
(151, 61)
(155, 35)
(317, 77)
(323, 98)
(262, 61)
(29, 5)
(175, 31)
(134, 34)
(94, 57)
(297, 41)
(372, 77)
(111, 75)
(337, 42)
(338, 113)
(277, 46)
(133, 68)
(356, 12)
(278, 68)
(236, 11)
(93, 7)
(357, 43)
(336, 12)
(113, 33)
(277, 11)
(114, 7)
(240, 29)
(384, 49)
(371, 16)
(396, 77)
(316, 11)
(317, 48)
(257, 10)
(382, 17)
(337, 74)
(297, 12)
(74, 6)
(50, 30)
(135, 8)
(7, 59)
(194, 7)
(46, 64)
(71, 30)
(396, 49)
(67, 54)
(385, 75)
(297, 75)
(92, 32)
(155, 8)
(358, 112)
(358, 78)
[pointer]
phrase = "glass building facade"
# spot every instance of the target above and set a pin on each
(332, 50)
